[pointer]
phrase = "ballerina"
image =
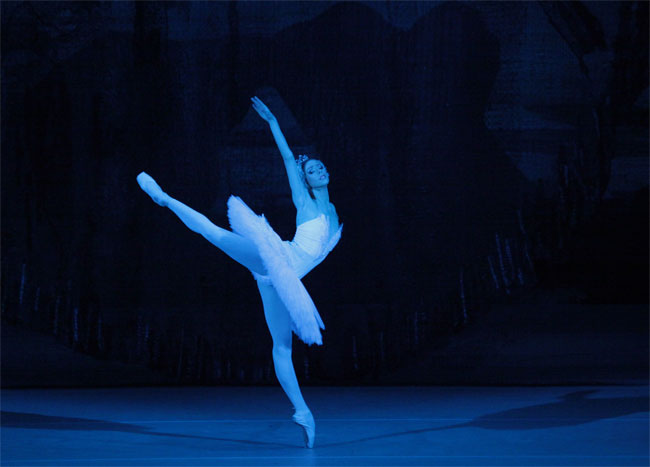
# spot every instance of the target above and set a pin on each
(277, 265)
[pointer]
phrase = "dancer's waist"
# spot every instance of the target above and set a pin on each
(307, 246)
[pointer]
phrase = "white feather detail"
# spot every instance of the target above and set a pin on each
(285, 264)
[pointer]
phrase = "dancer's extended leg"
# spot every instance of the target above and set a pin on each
(279, 323)
(237, 247)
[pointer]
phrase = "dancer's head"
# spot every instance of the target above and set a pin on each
(314, 173)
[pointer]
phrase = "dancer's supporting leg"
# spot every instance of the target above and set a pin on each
(237, 247)
(278, 321)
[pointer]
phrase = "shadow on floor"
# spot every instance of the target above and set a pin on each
(575, 408)
(49, 422)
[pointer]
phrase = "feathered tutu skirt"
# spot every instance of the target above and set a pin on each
(287, 262)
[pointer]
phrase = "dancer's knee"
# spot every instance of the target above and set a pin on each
(281, 352)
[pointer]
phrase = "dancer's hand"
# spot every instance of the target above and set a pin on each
(262, 110)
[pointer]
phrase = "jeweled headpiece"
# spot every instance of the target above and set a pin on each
(302, 158)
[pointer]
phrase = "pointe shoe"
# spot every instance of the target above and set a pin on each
(150, 187)
(306, 421)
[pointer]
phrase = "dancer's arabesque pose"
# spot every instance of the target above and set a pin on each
(277, 265)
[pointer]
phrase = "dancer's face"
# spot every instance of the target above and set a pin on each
(316, 173)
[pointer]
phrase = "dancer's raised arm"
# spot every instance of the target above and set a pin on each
(299, 192)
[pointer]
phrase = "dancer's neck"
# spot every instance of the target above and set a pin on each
(322, 196)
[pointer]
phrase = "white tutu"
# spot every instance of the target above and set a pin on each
(287, 262)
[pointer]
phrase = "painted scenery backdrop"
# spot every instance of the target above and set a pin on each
(481, 155)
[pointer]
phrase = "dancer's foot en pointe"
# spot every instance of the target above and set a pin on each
(150, 187)
(306, 421)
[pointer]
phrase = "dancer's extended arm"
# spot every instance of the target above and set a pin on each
(299, 192)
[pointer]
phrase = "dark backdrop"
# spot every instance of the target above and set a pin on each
(481, 154)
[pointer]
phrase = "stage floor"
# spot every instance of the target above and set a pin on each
(558, 425)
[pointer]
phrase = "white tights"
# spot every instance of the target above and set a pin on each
(244, 252)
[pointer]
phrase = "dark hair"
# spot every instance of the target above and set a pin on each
(304, 176)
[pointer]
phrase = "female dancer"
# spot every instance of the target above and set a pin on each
(277, 265)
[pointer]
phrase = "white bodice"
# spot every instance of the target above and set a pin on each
(310, 245)
(311, 236)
